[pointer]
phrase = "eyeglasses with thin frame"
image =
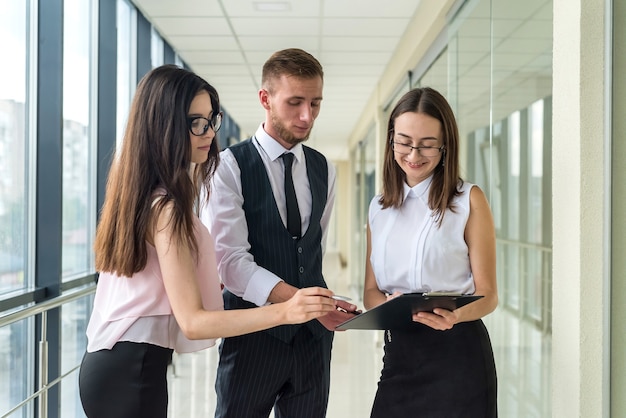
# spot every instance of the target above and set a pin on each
(406, 149)
(199, 125)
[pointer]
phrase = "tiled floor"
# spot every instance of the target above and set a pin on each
(522, 360)
(355, 369)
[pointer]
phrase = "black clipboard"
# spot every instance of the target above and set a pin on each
(397, 313)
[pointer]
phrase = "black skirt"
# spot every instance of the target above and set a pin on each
(128, 381)
(437, 374)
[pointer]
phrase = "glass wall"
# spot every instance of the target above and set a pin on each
(14, 145)
(156, 48)
(78, 150)
(126, 63)
(16, 170)
(363, 160)
(79, 185)
(16, 365)
(496, 71)
(74, 318)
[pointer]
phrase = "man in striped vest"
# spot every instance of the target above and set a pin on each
(270, 242)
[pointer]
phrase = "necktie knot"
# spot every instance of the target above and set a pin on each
(293, 212)
(288, 161)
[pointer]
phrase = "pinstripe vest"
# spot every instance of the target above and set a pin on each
(297, 262)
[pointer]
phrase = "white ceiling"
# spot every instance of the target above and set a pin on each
(227, 42)
(503, 52)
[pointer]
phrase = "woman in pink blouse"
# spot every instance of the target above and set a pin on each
(158, 288)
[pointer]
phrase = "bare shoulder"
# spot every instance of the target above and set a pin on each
(163, 215)
(478, 199)
(480, 223)
(480, 216)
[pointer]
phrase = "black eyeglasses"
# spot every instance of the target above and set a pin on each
(406, 149)
(199, 125)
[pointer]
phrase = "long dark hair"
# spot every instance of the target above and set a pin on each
(446, 177)
(155, 155)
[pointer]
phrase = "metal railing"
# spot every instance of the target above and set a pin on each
(42, 309)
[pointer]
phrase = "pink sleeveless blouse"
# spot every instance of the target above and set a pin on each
(137, 309)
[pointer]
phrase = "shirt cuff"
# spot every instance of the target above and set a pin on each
(260, 286)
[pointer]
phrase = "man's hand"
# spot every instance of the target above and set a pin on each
(344, 311)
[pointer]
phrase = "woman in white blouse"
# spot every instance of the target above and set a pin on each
(430, 231)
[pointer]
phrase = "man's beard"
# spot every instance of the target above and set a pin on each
(284, 134)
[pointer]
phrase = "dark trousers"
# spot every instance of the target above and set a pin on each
(437, 374)
(128, 381)
(258, 371)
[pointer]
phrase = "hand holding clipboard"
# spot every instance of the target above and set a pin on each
(397, 313)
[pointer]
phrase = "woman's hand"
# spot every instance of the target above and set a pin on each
(440, 319)
(308, 303)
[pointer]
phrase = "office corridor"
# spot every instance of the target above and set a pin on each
(523, 370)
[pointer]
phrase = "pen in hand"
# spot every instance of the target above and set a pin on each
(354, 312)
(346, 299)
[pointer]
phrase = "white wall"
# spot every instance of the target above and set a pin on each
(580, 185)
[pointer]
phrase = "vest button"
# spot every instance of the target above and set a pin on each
(301, 270)
(299, 250)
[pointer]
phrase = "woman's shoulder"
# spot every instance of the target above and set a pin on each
(375, 202)
(463, 195)
(470, 195)
(465, 186)
(471, 190)
(374, 207)
(465, 189)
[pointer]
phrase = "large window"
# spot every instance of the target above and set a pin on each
(14, 145)
(156, 48)
(78, 177)
(16, 377)
(499, 61)
(74, 319)
(364, 175)
(78, 197)
(126, 63)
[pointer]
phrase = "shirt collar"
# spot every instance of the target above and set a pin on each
(273, 148)
(419, 189)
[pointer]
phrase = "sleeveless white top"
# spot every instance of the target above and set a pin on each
(411, 253)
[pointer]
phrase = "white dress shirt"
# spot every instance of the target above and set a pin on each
(225, 217)
(410, 253)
